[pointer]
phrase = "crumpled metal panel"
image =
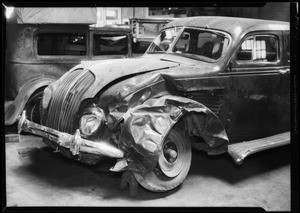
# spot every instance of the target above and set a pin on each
(146, 126)
(113, 70)
(129, 93)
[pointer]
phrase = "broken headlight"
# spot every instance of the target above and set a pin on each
(92, 120)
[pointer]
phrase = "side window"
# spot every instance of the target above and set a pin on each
(110, 44)
(61, 44)
(260, 48)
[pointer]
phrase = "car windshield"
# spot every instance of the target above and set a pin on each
(164, 40)
(201, 44)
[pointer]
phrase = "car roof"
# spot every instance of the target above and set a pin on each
(229, 24)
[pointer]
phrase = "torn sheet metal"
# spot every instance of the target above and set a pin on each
(146, 126)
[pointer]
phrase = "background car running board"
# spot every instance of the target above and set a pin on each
(239, 151)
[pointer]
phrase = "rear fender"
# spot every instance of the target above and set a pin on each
(146, 126)
(14, 108)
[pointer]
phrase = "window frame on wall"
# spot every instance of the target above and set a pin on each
(243, 63)
(113, 19)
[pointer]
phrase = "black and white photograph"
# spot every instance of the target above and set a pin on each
(150, 106)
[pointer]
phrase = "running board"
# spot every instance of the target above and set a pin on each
(239, 151)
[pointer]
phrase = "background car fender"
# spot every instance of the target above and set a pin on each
(146, 126)
(14, 108)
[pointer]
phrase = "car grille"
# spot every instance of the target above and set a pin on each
(67, 99)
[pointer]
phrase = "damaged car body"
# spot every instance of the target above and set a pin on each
(216, 84)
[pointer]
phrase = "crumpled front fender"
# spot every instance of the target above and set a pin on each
(15, 108)
(146, 126)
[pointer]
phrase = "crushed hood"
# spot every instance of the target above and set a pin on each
(108, 71)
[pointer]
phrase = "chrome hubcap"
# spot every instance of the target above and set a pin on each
(170, 152)
(171, 159)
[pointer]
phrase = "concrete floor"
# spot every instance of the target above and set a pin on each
(43, 178)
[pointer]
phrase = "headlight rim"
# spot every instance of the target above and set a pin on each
(96, 112)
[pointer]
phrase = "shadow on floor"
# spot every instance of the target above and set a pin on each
(223, 167)
(55, 170)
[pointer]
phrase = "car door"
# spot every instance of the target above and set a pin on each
(204, 83)
(259, 88)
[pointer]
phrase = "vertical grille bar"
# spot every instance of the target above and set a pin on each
(77, 92)
(57, 100)
(67, 99)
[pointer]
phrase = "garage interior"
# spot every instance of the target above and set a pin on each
(37, 176)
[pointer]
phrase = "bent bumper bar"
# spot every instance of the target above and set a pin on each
(74, 142)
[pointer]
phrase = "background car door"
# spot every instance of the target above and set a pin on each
(259, 88)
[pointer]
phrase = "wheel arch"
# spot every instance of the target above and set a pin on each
(14, 108)
(146, 126)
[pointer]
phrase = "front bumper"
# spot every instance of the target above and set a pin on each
(74, 142)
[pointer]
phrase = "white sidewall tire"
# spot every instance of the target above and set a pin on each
(161, 183)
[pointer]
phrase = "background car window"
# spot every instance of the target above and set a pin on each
(110, 44)
(148, 29)
(61, 44)
(259, 49)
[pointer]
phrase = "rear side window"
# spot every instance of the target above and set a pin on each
(110, 44)
(61, 44)
(260, 48)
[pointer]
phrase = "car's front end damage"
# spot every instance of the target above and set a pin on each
(75, 143)
(115, 121)
(129, 109)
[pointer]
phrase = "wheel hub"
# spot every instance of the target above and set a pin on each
(171, 159)
(170, 152)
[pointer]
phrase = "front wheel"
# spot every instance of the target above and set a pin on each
(173, 164)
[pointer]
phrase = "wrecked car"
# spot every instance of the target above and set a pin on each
(216, 84)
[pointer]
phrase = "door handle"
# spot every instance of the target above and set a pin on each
(284, 71)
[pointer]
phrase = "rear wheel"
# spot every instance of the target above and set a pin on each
(173, 164)
(32, 107)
